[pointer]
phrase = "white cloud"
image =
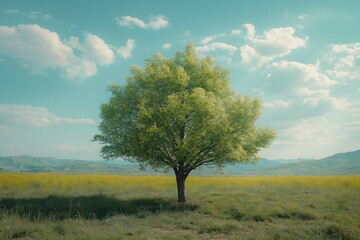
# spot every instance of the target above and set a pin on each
(251, 58)
(250, 31)
(307, 72)
(206, 40)
(125, 51)
(155, 22)
(319, 131)
(278, 42)
(274, 43)
(236, 32)
(28, 115)
(42, 49)
(308, 92)
(166, 46)
(301, 17)
(217, 46)
(315, 137)
(313, 130)
(94, 49)
(35, 45)
(211, 38)
(339, 103)
(344, 60)
(352, 48)
(278, 104)
(313, 97)
(84, 69)
(305, 89)
(310, 105)
(128, 21)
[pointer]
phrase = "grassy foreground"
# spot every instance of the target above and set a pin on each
(61, 206)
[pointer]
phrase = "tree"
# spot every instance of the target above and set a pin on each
(180, 113)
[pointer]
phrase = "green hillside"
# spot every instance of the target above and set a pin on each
(338, 164)
(44, 164)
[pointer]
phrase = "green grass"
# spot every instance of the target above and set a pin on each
(60, 206)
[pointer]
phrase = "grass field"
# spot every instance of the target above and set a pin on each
(60, 206)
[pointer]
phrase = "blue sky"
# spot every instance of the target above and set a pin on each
(302, 58)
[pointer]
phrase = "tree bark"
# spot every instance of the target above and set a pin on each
(180, 182)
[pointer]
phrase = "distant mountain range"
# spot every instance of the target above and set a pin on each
(338, 164)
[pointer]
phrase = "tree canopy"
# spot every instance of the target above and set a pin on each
(179, 113)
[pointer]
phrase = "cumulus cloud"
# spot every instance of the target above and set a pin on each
(125, 51)
(278, 42)
(278, 104)
(40, 48)
(155, 22)
(236, 32)
(206, 40)
(303, 101)
(83, 69)
(217, 46)
(93, 48)
(274, 43)
(249, 57)
(27, 115)
(301, 17)
(250, 31)
(296, 91)
(315, 135)
(308, 92)
(309, 130)
(35, 45)
(322, 131)
(344, 60)
(315, 96)
(211, 38)
(304, 72)
(166, 46)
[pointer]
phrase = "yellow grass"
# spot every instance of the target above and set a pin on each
(75, 181)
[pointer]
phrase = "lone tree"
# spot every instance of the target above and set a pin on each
(179, 113)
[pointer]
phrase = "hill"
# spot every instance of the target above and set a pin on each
(338, 164)
(45, 164)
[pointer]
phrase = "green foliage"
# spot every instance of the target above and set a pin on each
(180, 113)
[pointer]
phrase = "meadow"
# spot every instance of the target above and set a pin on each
(95, 206)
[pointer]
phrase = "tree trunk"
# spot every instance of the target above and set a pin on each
(180, 182)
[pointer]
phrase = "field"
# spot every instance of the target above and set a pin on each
(64, 206)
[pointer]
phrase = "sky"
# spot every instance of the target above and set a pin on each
(57, 58)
